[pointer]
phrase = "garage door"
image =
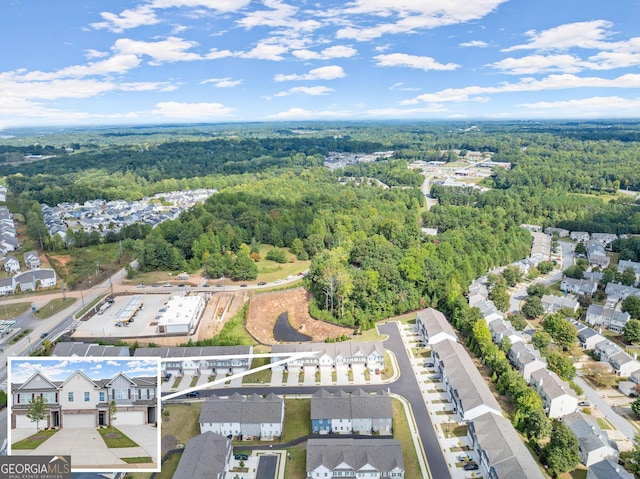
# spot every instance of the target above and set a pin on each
(24, 421)
(129, 417)
(78, 420)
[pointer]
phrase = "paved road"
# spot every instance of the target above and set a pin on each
(406, 385)
(601, 404)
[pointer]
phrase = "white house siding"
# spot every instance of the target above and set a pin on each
(270, 429)
(362, 425)
(341, 426)
(561, 406)
(78, 385)
(210, 426)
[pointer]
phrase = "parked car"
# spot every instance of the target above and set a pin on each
(193, 394)
(141, 285)
(584, 404)
(243, 285)
(261, 283)
(44, 335)
(428, 364)
(241, 457)
(167, 377)
(464, 457)
(472, 466)
(436, 377)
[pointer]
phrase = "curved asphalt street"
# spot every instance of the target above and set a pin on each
(406, 385)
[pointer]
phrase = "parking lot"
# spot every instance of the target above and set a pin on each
(104, 325)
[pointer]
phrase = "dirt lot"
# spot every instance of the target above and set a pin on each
(265, 308)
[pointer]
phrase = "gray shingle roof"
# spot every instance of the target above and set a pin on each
(253, 409)
(358, 404)
(205, 457)
(552, 385)
(505, 451)
(589, 434)
(608, 469)
(434, 322)
(187, 352)
(383, 454)
(85, 349)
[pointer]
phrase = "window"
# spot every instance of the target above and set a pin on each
(122, 393)
(101, 396)
(87, 396)
(49, 398)
(70, 396)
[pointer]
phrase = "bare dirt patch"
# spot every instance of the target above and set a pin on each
(265, 308)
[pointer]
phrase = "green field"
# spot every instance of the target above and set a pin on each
(402, 433)
(10, 311)
(182, 421)
(53, 307)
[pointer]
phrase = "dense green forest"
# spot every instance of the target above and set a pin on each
(369, 258)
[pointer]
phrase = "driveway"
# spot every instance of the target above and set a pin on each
(87, 449)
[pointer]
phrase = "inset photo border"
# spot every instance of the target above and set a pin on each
(103, 412)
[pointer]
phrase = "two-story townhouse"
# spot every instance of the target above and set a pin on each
(604, 239)
(345, 355)
(561, 232)
(80, 401)
(240, 416)
(207, 455)
(580, 236)
(73, 349)
(526, 359)
(624, 264)
(553, 304)
(134, 397)
(11, 264)
(594, 444)
(208, 360)
(503, 329)
(359, 412)
(584, 287)
(465, 386)
(587, 337)
(617, 292)
(7, 286)
(35, 279)
(558, 399)
(501, 452)
(488, 311)
(32, 260)
(433, 326)
(607, 317)
(623, 364)
(366, 458)
(38, 385)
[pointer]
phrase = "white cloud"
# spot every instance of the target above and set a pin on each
(219, 5)
(337, 51)
(265, 51)
(222, 82)
(192, 111)
(579, 34)
(408, 16)
(400, 86)
(614, 59)
(302, 114)
(143, 15)
(172, 49)
(474, 43)
(323, 73)
(534, 64)
(552, 82)
(215, 54)
(594, 107)
(412, 61)
(279, 15)
(91, 53)
(307, 90)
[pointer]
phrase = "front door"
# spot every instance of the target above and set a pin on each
(55, 418)
(101, 419)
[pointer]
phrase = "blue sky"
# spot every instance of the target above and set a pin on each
(58, 369)
(160, 61)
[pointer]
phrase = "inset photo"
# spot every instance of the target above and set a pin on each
(103, 412)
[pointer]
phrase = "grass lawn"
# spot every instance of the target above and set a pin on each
(54, 307)
(182, 422)
(269, 271)
(194, 381)
(297, 419)
(34, 441)
(579, 473)
(177, 382)
(10, 311)
(89, 306)
(296, 468)
(147, 475)
(452, 429)
(260, 377)
(370, 335)
(137, 460)
(402, 433)
(168, 467)
(113, 437)
(387, 372)
(603, 423)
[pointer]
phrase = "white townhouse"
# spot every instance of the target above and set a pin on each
(553, 304)
(579, 236)
(243, 417)
(526, 359)
(587, 337)
(36, 279)
(593, 442)
(80, 401)
(361, 458)
(585, 287)
(608, 317)
(11, 264)
(558, 398)
(488, 310)
(433, 326)
(32, 260)
(465, 386)
(7, 286)
(608, 469)
(503, 329)
(624, 264)
(500, 451)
